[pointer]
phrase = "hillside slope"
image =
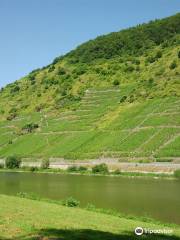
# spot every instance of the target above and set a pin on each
(115, 96)
(99, 127)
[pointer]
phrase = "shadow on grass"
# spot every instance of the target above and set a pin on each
(87, 234)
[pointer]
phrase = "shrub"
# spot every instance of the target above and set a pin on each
(136, 61)
(61, 71)
(33, 169)
(31, 77)
(13, 162)
(51, 68)
(2, 111)
(116, 82)
(173, 65)
(80, 70)
(158, 55)
(131, 98)
(72, 169)
(30, 127)
(71, 202)
(100, 168)
(151, 59)
(177, 173)
(179, 54)
(82, 169)
(15, 89)
(123, 99)
(57, 59)
(45, 164)
(129, 68)
(164, 160)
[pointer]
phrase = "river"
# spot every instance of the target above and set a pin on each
(156, 198)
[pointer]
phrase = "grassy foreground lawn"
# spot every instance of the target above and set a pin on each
(26, 219)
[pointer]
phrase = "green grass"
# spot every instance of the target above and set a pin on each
(28, 219)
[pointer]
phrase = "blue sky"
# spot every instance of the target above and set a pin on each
(34, 32)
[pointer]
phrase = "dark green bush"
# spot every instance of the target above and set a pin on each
(129, 68)
(32, 77)
(100, 168)
(33, 169)
(131, 98)
(71, 202)
(72, 169)
(57, 59)
(116, 82)
(150, 82)
(151, 59)
(158, 54)
(12, 162)
(10, 142)
(123, 99)
(15, 89)
(30, 127)
(82, 169)
(61, 71)
(179, 54)
(80, 70)
(45, 164)
(173, 65)
(51, 68)
(136, 61)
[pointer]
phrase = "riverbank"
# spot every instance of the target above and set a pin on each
(169, 176)
(112, 168)
(23, 218)
(113, 164)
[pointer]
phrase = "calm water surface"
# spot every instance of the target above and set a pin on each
(155, 198)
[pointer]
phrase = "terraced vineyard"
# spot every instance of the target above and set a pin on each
(101, 126)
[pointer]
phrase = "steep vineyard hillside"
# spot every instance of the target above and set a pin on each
(115, 96)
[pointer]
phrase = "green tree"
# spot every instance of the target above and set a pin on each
(173, 65)
(12, 162)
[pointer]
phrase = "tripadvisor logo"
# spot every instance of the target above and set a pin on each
(138, 231)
